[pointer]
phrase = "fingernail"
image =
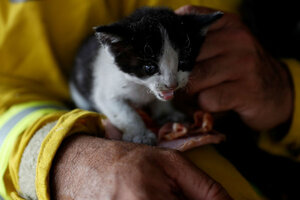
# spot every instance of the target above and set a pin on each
(184, 9)
(179, 11)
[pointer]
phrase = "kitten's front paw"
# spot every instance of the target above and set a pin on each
(143, 138)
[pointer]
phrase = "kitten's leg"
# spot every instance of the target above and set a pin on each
(127, 120)
(163, 111)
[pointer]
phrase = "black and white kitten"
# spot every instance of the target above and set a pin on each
(141, 60)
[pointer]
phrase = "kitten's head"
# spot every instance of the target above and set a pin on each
(156, 48)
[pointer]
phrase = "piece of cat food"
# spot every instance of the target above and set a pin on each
(187, 143)
(207, 123)
(187, 136)
(173, 130)
(203, 122)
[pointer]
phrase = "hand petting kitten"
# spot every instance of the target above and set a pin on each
(234, 72)
(139, 61)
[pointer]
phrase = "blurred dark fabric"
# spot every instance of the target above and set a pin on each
(276, 24)
(277, 178)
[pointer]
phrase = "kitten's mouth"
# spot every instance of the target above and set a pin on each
(166, 94)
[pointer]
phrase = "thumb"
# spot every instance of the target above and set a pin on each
(194, 183)
(190, 9)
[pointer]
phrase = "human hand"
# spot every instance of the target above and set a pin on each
(93, 168)
(233, 72)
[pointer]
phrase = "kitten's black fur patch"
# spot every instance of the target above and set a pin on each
(137, 40)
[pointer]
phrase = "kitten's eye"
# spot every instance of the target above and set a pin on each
(150, 69)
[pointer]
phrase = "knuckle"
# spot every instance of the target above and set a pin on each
(222, 100)
(216, 191)
(217, 99)
(216, 187)
(174, 155)
(204, 72)
(206, 102)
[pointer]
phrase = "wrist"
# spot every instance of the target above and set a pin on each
(71, 165)
(282, 110)
(285, 100)
(281, 98)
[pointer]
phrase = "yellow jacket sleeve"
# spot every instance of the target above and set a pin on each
(289, 146)
(38, 42)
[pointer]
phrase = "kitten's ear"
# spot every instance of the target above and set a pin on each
(110, 34)
(200, 23)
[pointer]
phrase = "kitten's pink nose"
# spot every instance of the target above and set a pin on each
(172, 86)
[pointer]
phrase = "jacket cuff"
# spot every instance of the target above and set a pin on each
(289, 146)
(13, 125)
(292, 139)
(27, 169)
(76, 121)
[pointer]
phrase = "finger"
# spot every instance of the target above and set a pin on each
(189, 9)
(158, 185)
(212, 72)
(194, 183)
(223, 97)
(221, 41)
(213, 45)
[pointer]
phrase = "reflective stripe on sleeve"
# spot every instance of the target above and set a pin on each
(15, 119)
(12, 123)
